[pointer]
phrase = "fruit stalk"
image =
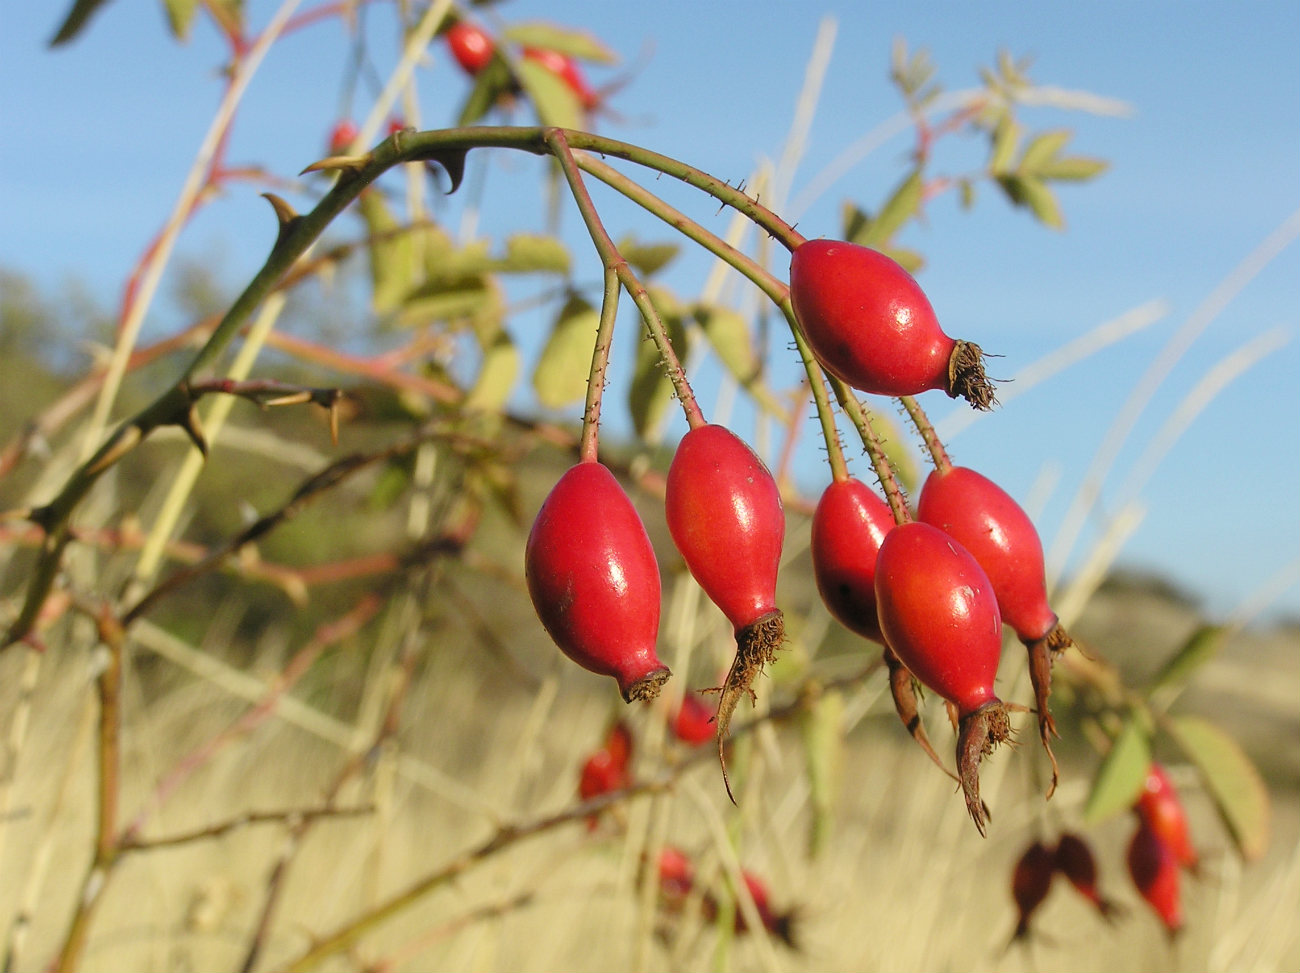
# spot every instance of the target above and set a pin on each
(614, 263)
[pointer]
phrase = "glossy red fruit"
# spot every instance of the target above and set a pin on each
(342, 135)
(693, 723)
(994, 528)
(1154, 870)
(998, 532)
(1031, 880)
(939, 614)
(566, 69)
(471, 46)
(725, 515)
(1075, 861)
(594, 580)
(870, 324)
(848, 526)
(1161, 808)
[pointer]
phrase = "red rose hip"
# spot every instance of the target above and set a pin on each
(725, 515)
(471, 46)
(594, 580)
(848, 526)
(939, 614)
(1154, 870)
(1160, 807)
(869, 323)
(566, 69)
(1031, 881)
(996, 530)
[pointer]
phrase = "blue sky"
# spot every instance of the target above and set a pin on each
(99, 136)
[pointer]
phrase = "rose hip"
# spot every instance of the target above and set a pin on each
(1154, 870)
(725, 515)
(594, 580)
(939, 614)
(870, 324)
(999, 534)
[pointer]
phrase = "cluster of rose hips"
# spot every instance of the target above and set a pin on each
(934, 586)
(1159, 848)
(679, 883)
(609, 768)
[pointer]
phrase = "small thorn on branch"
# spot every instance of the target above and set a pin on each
(194, 429)
(346, 164)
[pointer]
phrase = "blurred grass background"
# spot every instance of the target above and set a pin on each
(495, 726)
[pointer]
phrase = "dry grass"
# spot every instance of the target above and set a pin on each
(903, 884)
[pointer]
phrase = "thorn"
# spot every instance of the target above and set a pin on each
(194, 430)
(283, 211)
(291, 398)
(285, 215)
(338, 163)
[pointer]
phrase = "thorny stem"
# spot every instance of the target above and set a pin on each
(871, 442)
(615, 263)
(926, 429)
(448, 147)
(683, 224)
(825, 415)
(588, 446)
(724, 192)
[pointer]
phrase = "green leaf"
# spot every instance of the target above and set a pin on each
(1073, 168)
(75, 21)
(901, 206)
(650, 391)
(966, 188)
(647, 258)
(496, 375)
(1006, 138)
(855, 223)
(552, 99)
(1200, 647)
(1042, 150)
(1033, 195)
(491, 84)
(391, 250)
(534, 253)
(729, 334)
(1121, 774)
(180, 16)
(1234, 783)
(548, 36)
(822, 732)
(451, 299)
(560, 376)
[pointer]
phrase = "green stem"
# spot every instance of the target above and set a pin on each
(615, 263)
(861, 418)
(817, 382)
(448, 147)
(588, 449)
(926, 429)
(733, 196)
(768, 283)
